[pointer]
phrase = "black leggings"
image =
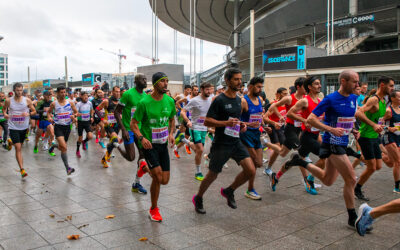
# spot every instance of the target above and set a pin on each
(4, 124)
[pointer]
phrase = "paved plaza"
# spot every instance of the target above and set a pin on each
(40, 211)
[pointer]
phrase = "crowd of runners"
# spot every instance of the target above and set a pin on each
(239, 121)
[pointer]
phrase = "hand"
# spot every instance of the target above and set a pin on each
(91, 120)
(125, 135)
(146, 144)
(307, 125)
(171, 140)
(50, 119)
(277, 125)
(243, 127)
(6, 116)
(282, 119)
(268, 130)
(232, 122)
(339, 132)
(189, 124)
(254, 125)
(392, 129)
(356, 134)
(25, 114)
(378, 128)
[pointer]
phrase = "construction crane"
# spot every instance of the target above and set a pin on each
(120, 56)
(153, 60)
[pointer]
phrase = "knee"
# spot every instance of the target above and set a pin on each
(90, 136)
(164, 181)
(351, 181)
(251, 172)
(257, 164)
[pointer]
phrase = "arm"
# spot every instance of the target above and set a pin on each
(388, 116)
(179, 102)
(274, 107)
(135, 129)
(103, 104)
(5, 108)
(74, 110)
(211, 122)
(293, 111)
(50, 112)
(31, 107)
(171, 129)
(185, 118)
(360, 114)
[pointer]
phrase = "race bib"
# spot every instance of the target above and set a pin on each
(85, 117)
(232, 131)
(381, 121)
(345, 122)
(255, 118)
(283, 112)
(297, 124)
(200, 120)
(159, 135)
(133, 110)
(316, 129)
(397, 126)
(18, 119)
(64, 117)
(45, 110)
(111, 118)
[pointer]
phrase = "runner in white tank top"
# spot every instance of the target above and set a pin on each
(20, 108)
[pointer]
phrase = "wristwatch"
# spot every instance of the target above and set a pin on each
(141, 138)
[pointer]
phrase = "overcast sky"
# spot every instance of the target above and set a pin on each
(39, 33)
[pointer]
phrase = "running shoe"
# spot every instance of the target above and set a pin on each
(308, 159)
(51, 150)
(23, 173)
(252, 194)
(155, 215)
(198, 204)
(9, 144)
(97, 140)
(70, 170)
(138, 188)
(176, 154)
(396, 190)
(4, 145)
(230, 197)
(35, 150)
(141, 171)
(101, 143)
(84, 146)
(199, 176)
(295, 160)
(359, 194)
(267, 171)
(104, 162)
(107, 156)
(188, 151)
(364, 220)
(78, 154)
(45, 146)
(273, 182)
(309, 185)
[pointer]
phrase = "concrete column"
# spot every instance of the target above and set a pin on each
(235, 24)
(353, 10)
(251, 43)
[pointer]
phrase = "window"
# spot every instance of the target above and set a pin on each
(2, 75)
(1, 59)
(1, 82)
(1, 67)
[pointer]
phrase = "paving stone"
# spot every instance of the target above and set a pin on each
(29, 241)
(233, 241)
(82, 243)
(59, 235)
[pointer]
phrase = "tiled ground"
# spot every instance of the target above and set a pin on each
(286, 219)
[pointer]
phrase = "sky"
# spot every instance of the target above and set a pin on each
(40, 33)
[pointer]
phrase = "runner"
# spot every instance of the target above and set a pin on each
(391, 139)
(157, 114)
(85, 118)
(198, 107)
(127, 106)
(371, 116)
(339, 108)
(42, 108)
(110, 123)
(19, 109)
(64, 113)
(224, 114)
(3, 122)
(252, 115)
(97, 120)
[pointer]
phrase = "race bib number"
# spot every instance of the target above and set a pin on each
(232, 131)
(111, 118)
(64, 117)
(159, 135)
(133, 110)
(397, 125)
(200, 120)
(45, 110)
(283, 112)
(255, 118)
(347, 123)
(297, 124)
(18, 119)
(381, 121)
(85, 117)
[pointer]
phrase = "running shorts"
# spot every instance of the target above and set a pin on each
(157, 156)
(18, 136)
(62, 130)
(84, 125)
(251, 138)
(44, 124)
(198, 136)
(389, 138)
(309, 144)
(291, 136)
(131, 138)
(330, 149)
(277, 135)
(370, 148)
(220, 154)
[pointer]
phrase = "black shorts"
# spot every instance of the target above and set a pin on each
(96, 121)
(18, 136)
(220, 154)
(35, 117)
(84, 125)
(309, 144)
(112, 128)
(370, 148)
(62, 130)
(291, 133)
(277, 136)
(157, 156)
(328, 149)
(389, 138)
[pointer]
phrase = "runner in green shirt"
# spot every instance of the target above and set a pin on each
(127, 106)
(371, 116)
(157, 114)
(3, 121)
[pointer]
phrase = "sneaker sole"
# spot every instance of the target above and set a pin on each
(252, 197)
(138, 191)
(151, 218)
(223, 195)
(360, 213)
(194, 204)
(396, 192)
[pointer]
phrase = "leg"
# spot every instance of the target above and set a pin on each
(247, 172)
(207, 181)
(18, 155)
(256, 157)
(388, 208)
(157, 176)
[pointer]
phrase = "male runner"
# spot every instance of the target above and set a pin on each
(157, 114)
(85, 118)
(198, 107)
(97, 120)
(363, 93)
(339, 108)
(252, 114)
(127, 107)
(64, 114)
(224, 114)
(42, 107)
(372, 123)
(3, 121)
(19, 109)
(110, 123)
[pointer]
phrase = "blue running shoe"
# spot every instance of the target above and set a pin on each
(364, 220)
(138, 188)
(102, 144)
(267, 171)
(309, 185)
(273, 182)
(396, 190)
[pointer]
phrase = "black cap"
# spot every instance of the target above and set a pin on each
(158, 77)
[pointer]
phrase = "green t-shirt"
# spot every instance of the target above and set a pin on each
(377, 117)
(130, 100)
(155, 116)
(2, 119)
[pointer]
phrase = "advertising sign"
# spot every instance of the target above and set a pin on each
(354, 20)
(292, 58)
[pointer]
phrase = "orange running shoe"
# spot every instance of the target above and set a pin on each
(188, 151)
(155, 215)
(104, 162)
(141, 172)
(23, 173)
(176, 154)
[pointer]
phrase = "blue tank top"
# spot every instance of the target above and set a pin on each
(254, 113)
(394, 121)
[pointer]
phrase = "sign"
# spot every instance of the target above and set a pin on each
(292, 58)
(46, 83)
(354, 20)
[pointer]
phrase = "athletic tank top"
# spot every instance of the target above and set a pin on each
(188, 113)
(395, 121)
(109, 115)
(288, 120)
(254, 113)
(281, 110)
(18, 121)
(2, 114)
(377, 117)
(305, 113)
(62, 114)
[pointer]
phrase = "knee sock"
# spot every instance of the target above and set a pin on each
(397, 184)
(358, 187)
(78, 144)
(64, 157)
(110, 146)
(279, 174)
(352, 216)
(198, 169)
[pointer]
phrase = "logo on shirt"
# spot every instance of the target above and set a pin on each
(352, 104)
(228, 106)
